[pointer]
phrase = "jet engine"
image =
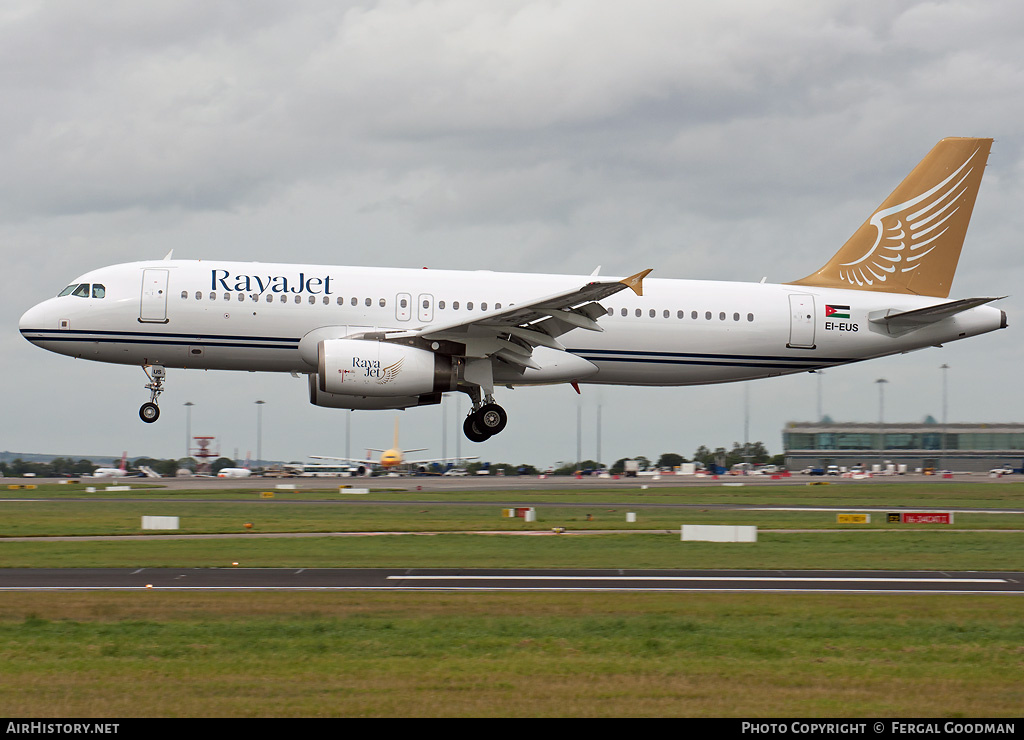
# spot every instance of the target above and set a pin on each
(367, 374)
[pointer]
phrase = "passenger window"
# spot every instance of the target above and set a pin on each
(664, 314)
(469, 306)
(227, 296)
(750, 317)
(298, 299)
(354, 301)
(82, 291)
(440, 304)
(707, 315)
(721, 316)
(735, 317)
(652, 313)
(483, 306)
(68, 290)
(270, 297)
(184, 294)
(213, 296)
(98, 291)
(679, 314)
(611, 311)
(241, 297)
(383, 303)
(199, 296)
(312, 300)
(624, 312)
(638, 313)
(368, 302)
(497, 306)
(455, 305)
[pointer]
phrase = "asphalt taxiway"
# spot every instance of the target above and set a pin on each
(511, 580)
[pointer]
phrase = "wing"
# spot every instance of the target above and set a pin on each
(909, 231)
(441, 460)
(511, 333)
(362, 461)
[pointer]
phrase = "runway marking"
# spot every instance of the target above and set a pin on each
(772, 579)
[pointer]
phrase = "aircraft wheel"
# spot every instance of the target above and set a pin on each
(149, 412)
(491, 418)
(472, 430)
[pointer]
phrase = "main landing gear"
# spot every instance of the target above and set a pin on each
(150, 412)
(485, 420)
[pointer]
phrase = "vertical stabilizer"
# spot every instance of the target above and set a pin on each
(912, 243)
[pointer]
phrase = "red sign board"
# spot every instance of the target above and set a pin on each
(930, 517)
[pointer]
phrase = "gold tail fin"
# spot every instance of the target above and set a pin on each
(912, 243)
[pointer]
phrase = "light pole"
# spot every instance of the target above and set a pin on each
(881, 417)
(259, 433)
(188, 428)
(944, 367)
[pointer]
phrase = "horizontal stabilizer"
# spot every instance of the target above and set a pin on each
(904, 321)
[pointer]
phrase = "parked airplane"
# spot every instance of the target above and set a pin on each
(120, 472)
(234, 473)
(391, 459)
(383, 338)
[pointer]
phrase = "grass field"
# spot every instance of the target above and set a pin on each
(306, 654)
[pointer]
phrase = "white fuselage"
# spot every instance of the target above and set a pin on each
(252, 316)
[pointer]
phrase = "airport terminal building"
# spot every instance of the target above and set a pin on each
(957, 447)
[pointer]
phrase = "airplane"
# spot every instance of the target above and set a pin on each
(120, 472)
(234, 473)
(393, 338)
(393, 458)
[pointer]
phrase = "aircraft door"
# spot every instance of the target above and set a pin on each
(801, 321)
(154, 297)
(403, 306)
(425, 307)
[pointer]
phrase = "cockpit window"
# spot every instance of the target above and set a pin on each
(68, 290)
(82, 291)
(98, 291)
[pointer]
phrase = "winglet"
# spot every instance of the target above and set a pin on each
(636, 282)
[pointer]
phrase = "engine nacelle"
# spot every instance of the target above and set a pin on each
(359, 367)
(366, 403)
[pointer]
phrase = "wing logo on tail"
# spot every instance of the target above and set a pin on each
(908, 231)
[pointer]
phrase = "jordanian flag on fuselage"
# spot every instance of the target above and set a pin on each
(837, 312)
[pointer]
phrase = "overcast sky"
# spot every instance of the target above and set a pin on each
(718, 141)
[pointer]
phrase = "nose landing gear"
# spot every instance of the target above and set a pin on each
(150, 412)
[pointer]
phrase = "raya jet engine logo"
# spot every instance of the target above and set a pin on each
(372, 369)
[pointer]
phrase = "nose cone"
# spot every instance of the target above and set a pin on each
(36, 320)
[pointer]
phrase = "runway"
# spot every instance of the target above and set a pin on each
(512, 580)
